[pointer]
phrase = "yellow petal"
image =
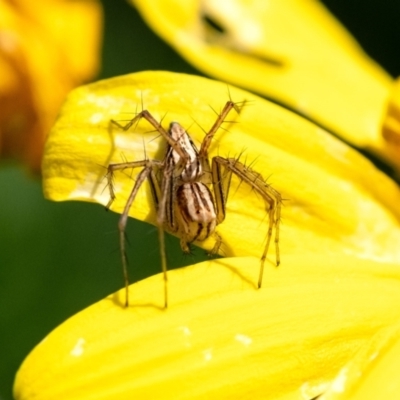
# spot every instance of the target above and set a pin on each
(292, 51)
(373, 373)
(337, 201)
(221, 338)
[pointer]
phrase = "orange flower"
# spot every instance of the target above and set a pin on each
(46, 49)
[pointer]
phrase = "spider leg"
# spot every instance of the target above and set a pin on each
(221, 183)
(146, 173)
(218, 122)
(157, 125)
(165, 218)
(218, 242)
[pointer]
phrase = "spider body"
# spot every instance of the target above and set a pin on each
(190, 204)
(189, 195)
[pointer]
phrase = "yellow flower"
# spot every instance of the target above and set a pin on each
(221, 337)
(46, 49)
(339, 280)
(292, 51)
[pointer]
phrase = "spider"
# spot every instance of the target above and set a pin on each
(190, 195)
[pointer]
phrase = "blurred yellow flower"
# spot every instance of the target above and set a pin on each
(46, 49)
(291, 51)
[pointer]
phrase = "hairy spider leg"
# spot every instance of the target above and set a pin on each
(157, 125)
(205, 145)
(272, 197)
(146, 173)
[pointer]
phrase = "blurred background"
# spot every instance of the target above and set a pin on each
(58, 258)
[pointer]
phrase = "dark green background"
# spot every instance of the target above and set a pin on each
(57, 258)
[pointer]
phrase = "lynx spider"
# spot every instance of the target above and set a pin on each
(180, 186)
